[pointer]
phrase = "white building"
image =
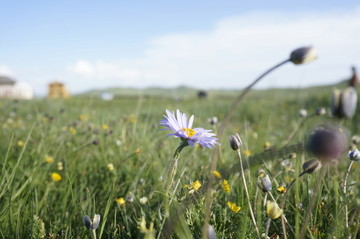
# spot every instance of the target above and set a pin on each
(10, 89)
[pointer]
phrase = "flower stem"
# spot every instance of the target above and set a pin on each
(247, 195)
(93, 233)
(345, 192)
(171, 170)
(170, 174)
(220, 133)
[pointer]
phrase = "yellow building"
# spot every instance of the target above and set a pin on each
(57, 90)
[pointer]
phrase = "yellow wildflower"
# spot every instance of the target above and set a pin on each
(20, 143)
(132, 119)
(138, 151)
(233, 206)
(273, 210)
(216, 174)
(121, 201)
(110, 166)
(84, 117)
(105, 127)
(49, 159)
(196, 185)
(288, 179)
(267, 145)
(56, 177)
(72, 130)
(281, 189)
(248, 153)
(226, 186)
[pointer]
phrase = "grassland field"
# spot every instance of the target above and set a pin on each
(63, 159)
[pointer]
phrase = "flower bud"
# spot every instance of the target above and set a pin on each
(354, 155)
(87, 222)
(213, 120)
(91, 225)
(320, 111)
(273, 210)
(303, 55)
(311, 166)
(327, 143)
(264, 182)
(235, 141)
(211, 232)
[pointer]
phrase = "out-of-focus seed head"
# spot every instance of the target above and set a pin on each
(327, 143)
(292, 156)
(286, 164)
(235, 141)
(213, 120)
(303, 112)
(264, 182)
(354, 155)
(91, 225)
(311, 166)
(320, 111)
(355, 139)
(303, 55)
(130, 198)
(95, 142)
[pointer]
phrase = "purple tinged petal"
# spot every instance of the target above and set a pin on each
(191, 120)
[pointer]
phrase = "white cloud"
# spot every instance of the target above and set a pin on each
(6, 71)
(236, 50)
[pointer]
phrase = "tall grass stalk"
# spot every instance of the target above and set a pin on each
(247, 194)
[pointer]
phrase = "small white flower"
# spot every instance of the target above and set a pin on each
(303, 112)
(143, 200)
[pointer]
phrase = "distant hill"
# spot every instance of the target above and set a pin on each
(182, 92)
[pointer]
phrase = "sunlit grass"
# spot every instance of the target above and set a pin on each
(62, 160)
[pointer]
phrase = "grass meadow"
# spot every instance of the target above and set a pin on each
(63, 159)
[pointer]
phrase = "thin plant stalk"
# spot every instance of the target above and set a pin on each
(312, 203)
(170, 174)
(93, 233)
(345, 192)
(247, 194)
(267, 227)
(220, 132)
(283, 218)
(171, 170)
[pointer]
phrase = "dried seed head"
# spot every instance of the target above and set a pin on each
(235, 141)
(303, 55)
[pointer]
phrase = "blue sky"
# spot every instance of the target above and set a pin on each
(204, 44)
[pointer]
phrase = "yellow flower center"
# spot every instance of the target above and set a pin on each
(189, 132)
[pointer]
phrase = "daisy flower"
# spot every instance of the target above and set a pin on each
(182, 128)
